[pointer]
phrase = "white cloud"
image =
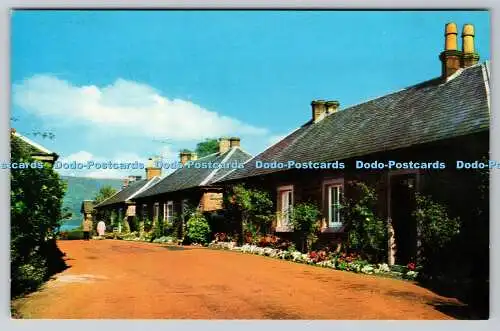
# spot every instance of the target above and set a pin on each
(81, 156)
(108, 173)
(137, 109)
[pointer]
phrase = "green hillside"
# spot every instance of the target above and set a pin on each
(79, 189)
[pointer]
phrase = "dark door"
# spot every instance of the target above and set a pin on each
(403, 189)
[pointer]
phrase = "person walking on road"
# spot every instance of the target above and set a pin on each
(101, 228)
(87, 228)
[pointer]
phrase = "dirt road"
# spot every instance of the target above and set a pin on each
(118, 279)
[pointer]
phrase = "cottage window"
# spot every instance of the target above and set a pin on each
(334, 196)
(144, 212)
(285, 196)
(168, 212)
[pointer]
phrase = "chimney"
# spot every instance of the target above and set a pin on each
(184, 157)
(451, 56)
(125, 182)
(151, 170)
(469, 55)
(234, 142)
(224, 145)
(318, 110)
(332, 106)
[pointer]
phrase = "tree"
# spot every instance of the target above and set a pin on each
(207, 147)
(104, 193)
(36, 211)
(103, 214)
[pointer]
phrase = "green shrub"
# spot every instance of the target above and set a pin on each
(305, 220)
(147, 224)
(156, 230)
(29, 276)
(437, 230)
(125, 225)
(134, 223)
(249, 212)
(367, 231)
(197, 229)
(74, 235)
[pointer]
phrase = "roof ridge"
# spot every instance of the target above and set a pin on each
(251, 158)
(143, 188)
(212, 174)
(242, 150)
(123, 189)
(203, 157)
(269, 147)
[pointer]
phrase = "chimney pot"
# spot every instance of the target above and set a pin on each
(318, 110)
(224, 145)
(234, 142)
(332, 106)
(451, 58)
(450, 33)
(469, 55)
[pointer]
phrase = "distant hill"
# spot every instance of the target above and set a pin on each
(83, 188)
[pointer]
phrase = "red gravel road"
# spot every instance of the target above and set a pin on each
(119, 279)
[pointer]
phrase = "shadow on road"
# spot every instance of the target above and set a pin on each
(176, 248)
(474, 296)
(459, 311)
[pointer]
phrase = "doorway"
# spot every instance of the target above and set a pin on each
(403, 189)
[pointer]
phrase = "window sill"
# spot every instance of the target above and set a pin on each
(333, 229)
(283, 229)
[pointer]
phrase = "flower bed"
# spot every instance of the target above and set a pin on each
(322, 259)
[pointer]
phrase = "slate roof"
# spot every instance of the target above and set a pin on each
(430, 111)
(128, 192)
(189, 177)
(87, 206)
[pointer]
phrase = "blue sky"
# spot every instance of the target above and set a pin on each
(110, 84)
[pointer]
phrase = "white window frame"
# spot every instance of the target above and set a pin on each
(328, 185)
(156, 211)
(167, 217)
(283, 221)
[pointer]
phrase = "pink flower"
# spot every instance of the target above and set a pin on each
(411, 266)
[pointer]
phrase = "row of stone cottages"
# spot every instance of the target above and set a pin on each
(445, 118)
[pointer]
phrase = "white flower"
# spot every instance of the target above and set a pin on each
(412, 274)
(296, 255)
(381, 268)
(367, 269)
